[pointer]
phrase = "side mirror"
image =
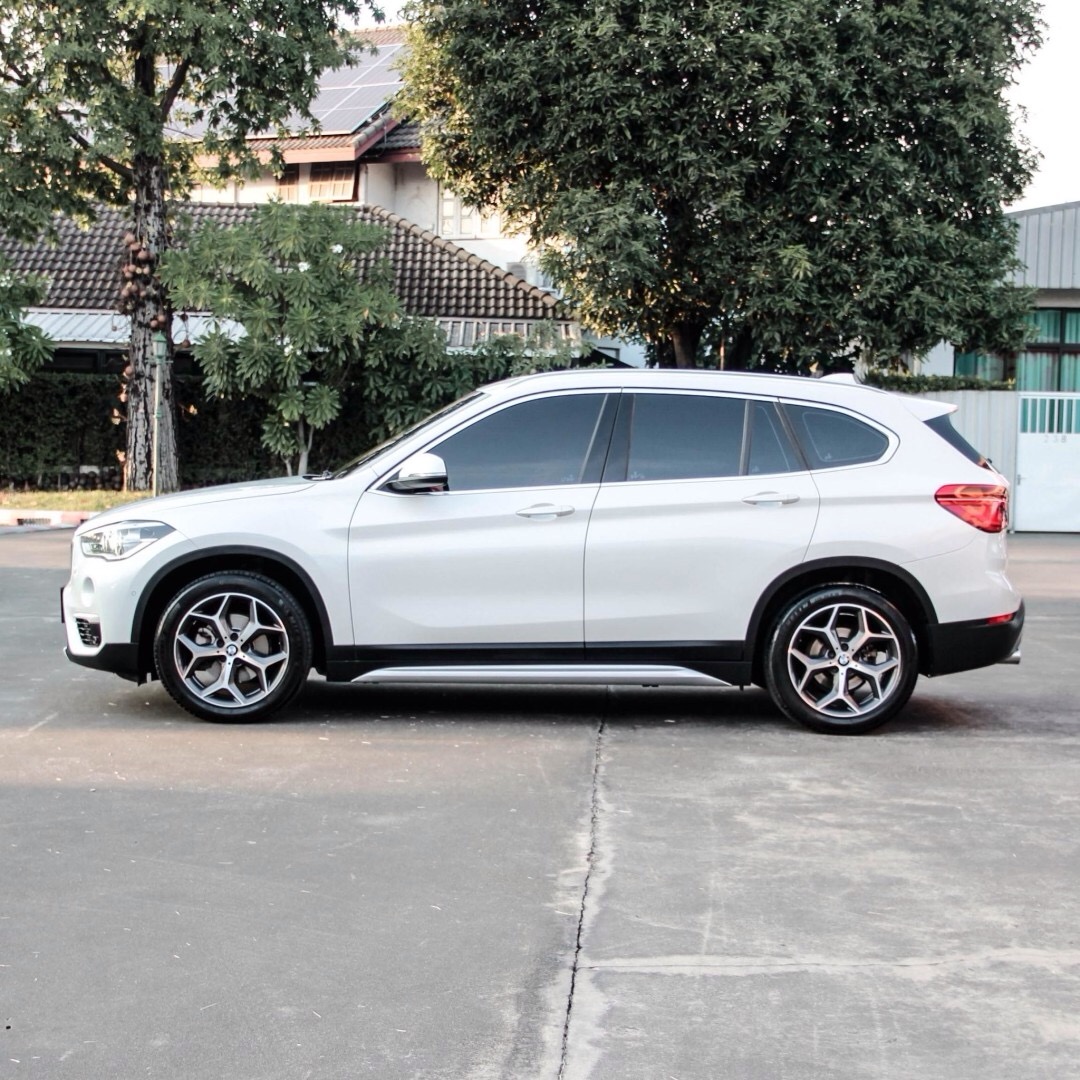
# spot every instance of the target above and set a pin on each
(420, 473)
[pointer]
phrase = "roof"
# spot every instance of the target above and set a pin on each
(433, 277)
(1048, 244)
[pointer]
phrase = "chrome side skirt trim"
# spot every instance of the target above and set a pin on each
(551, 674)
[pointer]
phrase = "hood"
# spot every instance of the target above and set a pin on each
(162, 506)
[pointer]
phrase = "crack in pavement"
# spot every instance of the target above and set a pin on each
(590, 858)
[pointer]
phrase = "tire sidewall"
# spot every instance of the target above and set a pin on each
(778, 680)
(260, 588)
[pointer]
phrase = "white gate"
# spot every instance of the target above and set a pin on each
(1047, 493)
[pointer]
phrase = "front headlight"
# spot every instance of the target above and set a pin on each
(122, 539)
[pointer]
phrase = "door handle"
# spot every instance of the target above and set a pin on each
(545, 511)
(771, 498)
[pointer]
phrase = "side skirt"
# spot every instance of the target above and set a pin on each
(690, 663)
(553, 674)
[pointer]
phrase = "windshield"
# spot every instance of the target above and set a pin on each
(370, 455)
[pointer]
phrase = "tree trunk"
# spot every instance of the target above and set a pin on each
(150, 315)
(685, 339)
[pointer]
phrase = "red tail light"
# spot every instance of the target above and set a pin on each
(981, 505)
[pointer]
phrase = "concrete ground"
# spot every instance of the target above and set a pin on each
(542, 884)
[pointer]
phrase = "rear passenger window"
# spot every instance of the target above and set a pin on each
(685, 436)
(830, 439)
(770, 449)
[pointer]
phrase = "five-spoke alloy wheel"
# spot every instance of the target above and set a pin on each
(233, 647)
(841, 660)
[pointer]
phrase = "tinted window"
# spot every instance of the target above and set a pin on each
(944, 427)
(534, 444)
(829, 439)
(683, 436)
(770, 449)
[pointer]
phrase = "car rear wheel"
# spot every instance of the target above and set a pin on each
(841, 660)
(233, 647)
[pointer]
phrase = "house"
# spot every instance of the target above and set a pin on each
(365, 156)
(469, 297)
(1048, 246)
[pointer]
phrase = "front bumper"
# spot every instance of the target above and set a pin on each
(974, 643)
(122, 660)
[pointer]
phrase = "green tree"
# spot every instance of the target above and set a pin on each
(305, 309)
(94, 98)
(791, 180)
(23, 348)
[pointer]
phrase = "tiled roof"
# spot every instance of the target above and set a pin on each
(383, 35)
(405, 136)
(305, 142)
(434, 278)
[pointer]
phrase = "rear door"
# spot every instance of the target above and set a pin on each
(705, 501)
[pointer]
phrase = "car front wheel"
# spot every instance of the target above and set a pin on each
(233, 647)
(842, 660)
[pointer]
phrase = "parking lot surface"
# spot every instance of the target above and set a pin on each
(538, 883)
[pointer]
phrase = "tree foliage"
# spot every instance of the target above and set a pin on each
(23, 348)
(307, 319)
(111, 101)
(303, 312)
(791, 180)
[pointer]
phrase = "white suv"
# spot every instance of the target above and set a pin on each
(820, 538)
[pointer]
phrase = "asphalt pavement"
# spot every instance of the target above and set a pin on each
(538, 884)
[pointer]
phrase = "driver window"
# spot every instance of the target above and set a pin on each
(539, 443)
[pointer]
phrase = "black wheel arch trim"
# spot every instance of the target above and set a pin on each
(821, 573)
(208, 555)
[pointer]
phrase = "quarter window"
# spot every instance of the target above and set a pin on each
(830, 439)
(539, 443)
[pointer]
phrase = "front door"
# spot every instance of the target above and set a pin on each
(497, 559)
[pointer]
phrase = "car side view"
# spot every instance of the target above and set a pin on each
(816, 537)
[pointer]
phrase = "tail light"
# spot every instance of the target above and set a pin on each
(985, 506)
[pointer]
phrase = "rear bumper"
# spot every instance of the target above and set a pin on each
(962, 646)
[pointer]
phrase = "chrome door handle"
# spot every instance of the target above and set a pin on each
(771, 498)
(545, 510)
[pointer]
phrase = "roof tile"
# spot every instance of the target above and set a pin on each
(433, 277)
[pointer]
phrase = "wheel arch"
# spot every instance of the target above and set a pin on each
(893, 582)
(169, 580)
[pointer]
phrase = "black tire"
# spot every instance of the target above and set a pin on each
(233, 647)
(841, 660)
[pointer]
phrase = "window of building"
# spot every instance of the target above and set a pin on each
(289, 184)
(332, 182)
(458, 221)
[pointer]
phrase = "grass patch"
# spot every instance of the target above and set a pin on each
(91, 501)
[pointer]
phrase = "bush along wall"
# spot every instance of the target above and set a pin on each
(58, 432)
(61, 429)
(930, 384)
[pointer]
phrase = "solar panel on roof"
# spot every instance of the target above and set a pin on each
(348, 97)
